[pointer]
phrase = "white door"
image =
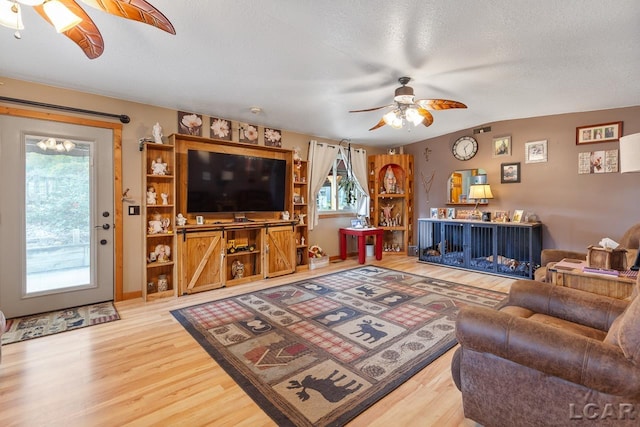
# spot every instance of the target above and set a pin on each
(56, 215)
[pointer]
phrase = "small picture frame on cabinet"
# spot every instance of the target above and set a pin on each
(433, 213)
(517, 215)
(451, 213)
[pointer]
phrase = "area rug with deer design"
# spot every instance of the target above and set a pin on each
(320, 351)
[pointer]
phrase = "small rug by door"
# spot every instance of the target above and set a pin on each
(40, 325)
(320, 351)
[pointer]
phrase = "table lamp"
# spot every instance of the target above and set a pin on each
(478, 192)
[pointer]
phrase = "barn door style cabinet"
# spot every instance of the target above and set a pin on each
(508, 249)
(391, 190)
(212, 257)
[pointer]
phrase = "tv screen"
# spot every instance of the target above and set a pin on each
(219, 182)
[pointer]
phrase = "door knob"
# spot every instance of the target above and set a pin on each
(103, 226)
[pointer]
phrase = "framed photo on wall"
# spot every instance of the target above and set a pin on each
(593, 134)
(535, 151)
(509, 173)
(502, 146)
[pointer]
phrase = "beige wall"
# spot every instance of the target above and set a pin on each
(143, 117)
(576, 210)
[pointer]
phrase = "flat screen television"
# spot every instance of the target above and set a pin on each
(225, 183)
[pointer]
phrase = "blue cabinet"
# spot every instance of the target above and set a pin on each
(508, 249)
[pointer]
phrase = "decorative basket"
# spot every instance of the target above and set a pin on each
(318, 262)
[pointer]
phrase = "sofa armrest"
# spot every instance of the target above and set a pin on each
(549, 350)
(555, 255)
(585, 308)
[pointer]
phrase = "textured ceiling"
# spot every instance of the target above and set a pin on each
(307, 63)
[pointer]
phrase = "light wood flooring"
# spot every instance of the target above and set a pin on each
(145, 369)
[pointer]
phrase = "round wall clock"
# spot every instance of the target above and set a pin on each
(465, 148)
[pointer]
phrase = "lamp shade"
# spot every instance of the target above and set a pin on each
(60, 15)
(480, 191)
(630, 153)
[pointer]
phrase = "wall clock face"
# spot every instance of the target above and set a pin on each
(465, 148)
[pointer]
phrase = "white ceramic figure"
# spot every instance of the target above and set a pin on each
(165, 198)
(157, 133)
(151, 196)
(181, 220)
(158, 167)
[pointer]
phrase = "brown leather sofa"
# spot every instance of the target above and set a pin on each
(550, 356)
(630, 240)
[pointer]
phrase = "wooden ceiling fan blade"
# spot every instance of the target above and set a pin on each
(136, 10)
(379, 125)
(85, 34)
(370, 109)
(427, 117)
(439, 104)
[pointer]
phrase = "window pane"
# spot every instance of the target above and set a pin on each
(57, 215)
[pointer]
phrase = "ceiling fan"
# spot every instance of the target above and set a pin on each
(71, 20)
(408, 109)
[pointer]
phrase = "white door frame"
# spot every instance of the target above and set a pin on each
(118, 257)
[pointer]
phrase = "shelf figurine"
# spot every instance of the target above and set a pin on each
(158, 167)
(162, 252)
(181, 220)
(151, 195)
(165, 198)
(157, 133)
(237, 269)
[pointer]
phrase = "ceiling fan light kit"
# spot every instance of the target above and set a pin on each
(11, 15)
(409, 110)
(71, 20)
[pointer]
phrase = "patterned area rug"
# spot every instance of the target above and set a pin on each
(40, 325)
(320, 351)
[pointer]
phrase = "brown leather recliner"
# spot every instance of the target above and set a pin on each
(550, 356)
(630, 240)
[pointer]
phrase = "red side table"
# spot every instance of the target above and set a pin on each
(361, 233)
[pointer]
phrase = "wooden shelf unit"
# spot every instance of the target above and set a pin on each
(398, 201)
(157, 271)
(205, 256)
(300, 207)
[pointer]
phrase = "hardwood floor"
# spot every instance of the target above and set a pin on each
(145, 369)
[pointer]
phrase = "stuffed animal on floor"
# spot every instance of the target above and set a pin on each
(509, 262)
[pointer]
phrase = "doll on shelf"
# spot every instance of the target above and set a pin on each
(158, 167)
(151, 195)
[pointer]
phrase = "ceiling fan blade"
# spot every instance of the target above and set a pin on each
(136, 10)
(370, 109)
(379, 125)
(439, 104)
(86, 34)
(427, 117)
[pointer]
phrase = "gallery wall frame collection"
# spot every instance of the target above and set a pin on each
(219, 128)
(593, 134)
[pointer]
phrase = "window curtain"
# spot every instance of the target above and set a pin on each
(321, 157)
(359, 170)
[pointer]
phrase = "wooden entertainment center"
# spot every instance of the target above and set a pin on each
(218, 249)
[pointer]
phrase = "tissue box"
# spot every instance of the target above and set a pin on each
(611, 259)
